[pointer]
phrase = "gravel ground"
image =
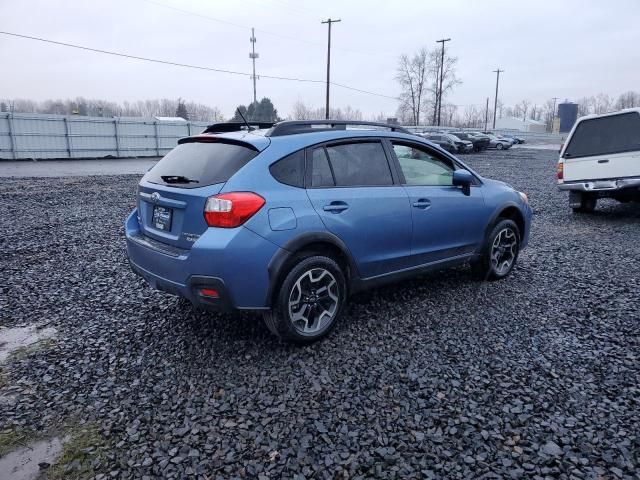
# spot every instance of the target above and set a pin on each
(536, 376)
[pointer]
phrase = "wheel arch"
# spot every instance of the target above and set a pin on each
(509, 212)
(323, 243)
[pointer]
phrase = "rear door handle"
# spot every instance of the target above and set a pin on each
(422, 203)
(335, 207)
(604, 160)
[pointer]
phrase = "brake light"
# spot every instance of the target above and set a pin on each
(230, 210)
(560, 171)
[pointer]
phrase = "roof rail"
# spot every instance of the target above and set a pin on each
(235, 126)
(291, 127)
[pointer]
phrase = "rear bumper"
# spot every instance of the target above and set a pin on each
(192, 291)
(233, 262)
(601, 185)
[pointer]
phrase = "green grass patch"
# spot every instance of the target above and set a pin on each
(12, 438)
(23, 352)
(82, 446)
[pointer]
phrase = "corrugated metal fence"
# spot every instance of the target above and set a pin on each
(24, 136)
(29, 135)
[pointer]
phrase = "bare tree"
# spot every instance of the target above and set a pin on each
(449, 79)
(524, 108)
(628, 100)
(603, 103)
(412, 76)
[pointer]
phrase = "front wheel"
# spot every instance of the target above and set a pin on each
(499, 253)
(309, 302)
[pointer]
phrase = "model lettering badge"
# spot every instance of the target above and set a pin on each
(190, 237)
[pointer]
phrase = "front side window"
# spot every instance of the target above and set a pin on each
(420, 167)
(354, 165)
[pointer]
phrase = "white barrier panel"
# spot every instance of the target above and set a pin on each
(30, 135)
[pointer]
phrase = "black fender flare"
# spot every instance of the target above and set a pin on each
(293, 246)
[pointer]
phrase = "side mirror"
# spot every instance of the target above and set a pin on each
(463, 178)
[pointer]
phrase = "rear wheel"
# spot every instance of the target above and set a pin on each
(587, 204)
(499, 253)
(499, 146)
(309, 302)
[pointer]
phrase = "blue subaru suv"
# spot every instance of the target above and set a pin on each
(290, 219)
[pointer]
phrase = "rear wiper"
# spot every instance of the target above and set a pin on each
(177, 179)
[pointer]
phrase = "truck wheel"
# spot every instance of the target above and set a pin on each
(309, 302)
(587, 204)
(499, 252)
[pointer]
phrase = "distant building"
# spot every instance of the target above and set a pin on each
(526, 125)
(568, 114)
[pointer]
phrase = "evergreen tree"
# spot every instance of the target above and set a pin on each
(181, 111)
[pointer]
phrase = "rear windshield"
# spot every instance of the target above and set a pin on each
(605, 135)
(198, 164)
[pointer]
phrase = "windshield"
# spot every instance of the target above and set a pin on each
(198, 164)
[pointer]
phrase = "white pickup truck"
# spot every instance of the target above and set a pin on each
(601, 159)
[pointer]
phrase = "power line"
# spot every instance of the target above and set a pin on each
(259, 30)
(187, 65)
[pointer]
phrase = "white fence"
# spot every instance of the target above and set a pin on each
(30, 135)
(24, 136)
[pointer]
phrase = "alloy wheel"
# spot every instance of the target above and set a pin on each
(313, 301)
(504, 251)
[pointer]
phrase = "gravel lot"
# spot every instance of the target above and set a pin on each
(537, 376)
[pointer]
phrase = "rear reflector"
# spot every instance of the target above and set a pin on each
(229, 210)
(209, 292)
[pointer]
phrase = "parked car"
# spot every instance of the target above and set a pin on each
(291, 220)
(443, 141)
(479, 142)
(601, 159)
(463, 146)
(499, 143)
(515, 139)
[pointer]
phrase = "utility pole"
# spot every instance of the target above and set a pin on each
(253, 55)
(553, 112)
(439, 97)
(328, 22)
(495, 104)
(486, 115)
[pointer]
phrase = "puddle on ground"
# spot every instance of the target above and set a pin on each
(24, 463)
(12, 339)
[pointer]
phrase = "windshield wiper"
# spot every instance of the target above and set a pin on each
(177, 179)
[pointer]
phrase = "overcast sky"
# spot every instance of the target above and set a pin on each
(566, 49)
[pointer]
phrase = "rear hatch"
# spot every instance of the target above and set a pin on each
(172, 195)
(601, 148)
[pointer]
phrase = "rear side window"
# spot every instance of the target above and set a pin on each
(359, 164)
(290, 169)
(605, 135)
(198, 164)
(321, 175)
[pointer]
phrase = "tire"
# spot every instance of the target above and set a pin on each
(505, 234)
(587, 204)
(499, 146)
(290, 321)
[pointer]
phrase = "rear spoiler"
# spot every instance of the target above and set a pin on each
(227, 127)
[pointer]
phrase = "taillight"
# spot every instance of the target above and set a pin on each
(560, 171)
(229, 210)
